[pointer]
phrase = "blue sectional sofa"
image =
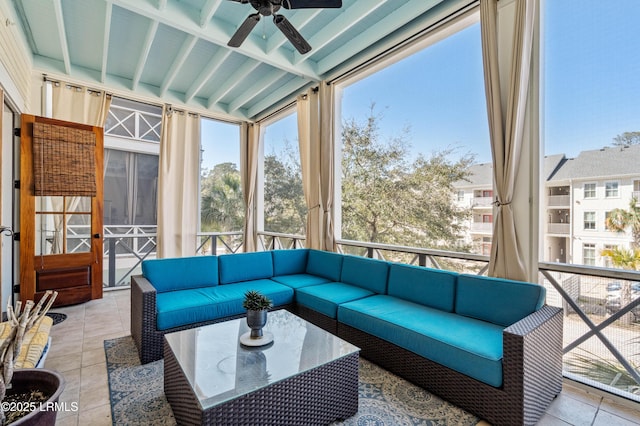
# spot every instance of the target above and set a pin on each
(489, 345)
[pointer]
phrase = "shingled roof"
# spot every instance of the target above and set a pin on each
(600, 163)
(481, 175)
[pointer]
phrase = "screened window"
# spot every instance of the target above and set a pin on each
(589, 190)
(130, 188)
(285, 209)
(221, 202)
(405, 145)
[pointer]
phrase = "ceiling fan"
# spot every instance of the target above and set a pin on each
(270, 7)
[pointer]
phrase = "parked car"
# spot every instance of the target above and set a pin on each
(613, 298)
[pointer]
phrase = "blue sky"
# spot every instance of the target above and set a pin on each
(591, 86)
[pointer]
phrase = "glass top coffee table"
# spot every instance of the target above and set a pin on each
(305, 376)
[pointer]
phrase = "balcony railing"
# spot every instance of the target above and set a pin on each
(558, 228)
(481, 227)
(482, 201)
(559, 201)
(133, 124)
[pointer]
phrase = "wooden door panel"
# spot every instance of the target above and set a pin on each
(76, 276)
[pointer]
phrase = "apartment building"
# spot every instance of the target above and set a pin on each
(579, 193)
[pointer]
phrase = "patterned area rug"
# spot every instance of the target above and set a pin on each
(137, 397)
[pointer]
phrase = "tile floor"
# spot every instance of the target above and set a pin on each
(78, 353)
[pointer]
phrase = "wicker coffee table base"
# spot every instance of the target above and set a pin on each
(318, 396)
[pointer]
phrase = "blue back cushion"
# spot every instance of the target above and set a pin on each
(429, 287)
(370, 274)
(497, 300)
(324, 264)
(289, 262)
(245, 266)
(181, 273)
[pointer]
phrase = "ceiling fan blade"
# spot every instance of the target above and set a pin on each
(291, 34)
(311, 4)
(243, 30)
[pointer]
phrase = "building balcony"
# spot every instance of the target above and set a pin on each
(482, 202)
(558, 228)
(481, 227)
(559, 201)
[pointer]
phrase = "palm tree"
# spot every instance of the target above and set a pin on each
(620, 219)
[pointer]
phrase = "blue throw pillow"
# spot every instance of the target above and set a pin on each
(181, 273)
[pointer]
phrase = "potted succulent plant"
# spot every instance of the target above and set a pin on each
(28, 395)
(257, 305)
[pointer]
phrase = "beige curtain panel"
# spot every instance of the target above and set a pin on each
(250, 139)
(327, 163)
(178, 184)
(79, 104)
(506, 127)
(309, 143)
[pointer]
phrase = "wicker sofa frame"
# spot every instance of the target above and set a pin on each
(532, 370)
(532, 359)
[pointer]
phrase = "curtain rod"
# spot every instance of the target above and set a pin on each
(75, 86)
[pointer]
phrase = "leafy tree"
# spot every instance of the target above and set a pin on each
(388, 199)
(627, 138)
(285, 209)
(222, 203)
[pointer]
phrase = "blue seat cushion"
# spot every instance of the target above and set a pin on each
(299, 280)
(324, 264)
(370, 274)
(192, 306)
(289, 262)
(325, 298)
(429, 287)
(466, 345)
(180, 273)
(245, 266)
(497, 300)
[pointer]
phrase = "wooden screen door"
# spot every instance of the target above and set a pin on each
(60, 235)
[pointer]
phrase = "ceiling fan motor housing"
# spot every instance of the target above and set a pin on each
(265, 7)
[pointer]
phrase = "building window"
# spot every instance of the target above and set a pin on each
(590, 220)
(611, 190)
(607, 260)
(460, 195)
(589, 190)
(589, 254)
